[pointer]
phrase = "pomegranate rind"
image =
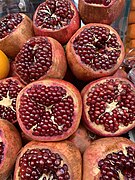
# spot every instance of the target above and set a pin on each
(71, 90)
(98, 150)
(59, 63)
(69, 153)
(83, 71)
(96, 13)
(12, 43)
(92, 126)
(63, 34)
(12, 141)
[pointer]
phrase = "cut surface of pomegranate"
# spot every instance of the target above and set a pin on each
(100, 11)
(94, 51)
(40, 57)
(109, 106)
(10, 144)
(57, 161)
(58, 19)
(15, 30)
(9, 89)
(109, 158)
(49, 110)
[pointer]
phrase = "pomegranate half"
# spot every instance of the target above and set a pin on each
(39, 58)
(94, 51)
(109, 158)
(49, 110)
(100, 11)
(15, 30)
(39, 160)
(109, 106)
(10, 144)
(58, 19)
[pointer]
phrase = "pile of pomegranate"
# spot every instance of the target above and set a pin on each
(68, 102)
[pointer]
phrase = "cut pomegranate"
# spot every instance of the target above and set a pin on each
(39, 58)
(15, 30)
(56, 161)
(109, 106)
(100, 11)
(58, 19)
(10, 144)
(94, 51)
(109, 158)
(9, 89)
(49, 110)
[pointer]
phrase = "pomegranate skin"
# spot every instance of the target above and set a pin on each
(94, 13)
(99, 128)
(64, 33)
(71, 91)
(69, 153)
(59, 64)
(12, 43)
(12, 142)
(98, 150)
(83, 71)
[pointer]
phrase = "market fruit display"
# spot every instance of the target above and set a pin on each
(4, 65)
(109, 158)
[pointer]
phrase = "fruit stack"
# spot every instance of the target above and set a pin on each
(65, 103)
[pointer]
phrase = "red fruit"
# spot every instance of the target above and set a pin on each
(15, 30)
(58, 19)
(94, 51)
(39, 58)
(10, 144)
(82, 138)
(38, 160)
(120, 73)
(109, 106)
(109, 158)
(49, 110)
(106, 11)
(9, 89)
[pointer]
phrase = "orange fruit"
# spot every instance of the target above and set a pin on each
(4, 65)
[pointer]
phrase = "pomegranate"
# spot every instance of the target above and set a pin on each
(100, 11)
(109, 106)
(9, 89)
(82, 138)
(40, 57)
(15, 30)
(10, 144)
(109, 158)
(121, 73)
(49, 110)
(40, 160)
(94, 51)
(58, 19)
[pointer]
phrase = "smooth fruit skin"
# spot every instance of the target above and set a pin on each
(63, 34)
(97, 151)
(81, 70)
(100, 14)
(4, 65)
(12, 43)
(70, 154)
(92, 126)
(12, 140)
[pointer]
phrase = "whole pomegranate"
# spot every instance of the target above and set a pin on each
(58, 19)
(109, 158)
(100, 11)
(109, 106)
(39, 160)
(15, 30)
(39, 58)
(94, 51)
(9, 89)
(49, 110)
(10, 144)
